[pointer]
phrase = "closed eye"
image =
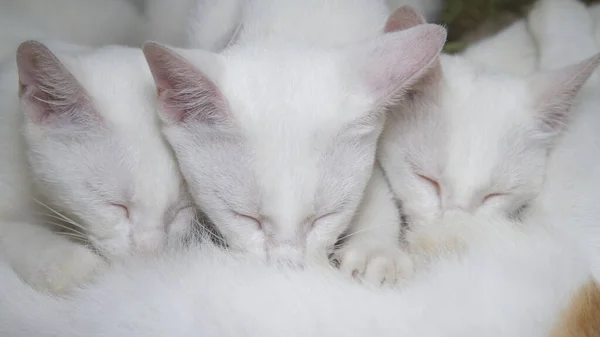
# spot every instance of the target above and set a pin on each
(122, 207)
(250, 218)
(431, 182)
(320, 218)
(491, 196)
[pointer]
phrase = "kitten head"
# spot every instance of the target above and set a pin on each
(476, 139)
(277, 144)
(95, 149)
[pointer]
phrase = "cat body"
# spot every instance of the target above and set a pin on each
(282, 176)
(511, 50)
(82, 152)
(514, 49)
(509, 281)
(87, 22)
(212, 25)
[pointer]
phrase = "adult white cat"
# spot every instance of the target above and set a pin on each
(514, 50)
(79, 135)
(211, 24)
(276, 137)
(89, 22)
(475, 138)
(508, 282)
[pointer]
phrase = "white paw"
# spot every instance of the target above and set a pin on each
(67, 268)
(375, 265)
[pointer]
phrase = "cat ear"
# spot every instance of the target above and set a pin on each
(393, 62)
(403, 18)
(556, 91)
(47, 89)
(185, 93)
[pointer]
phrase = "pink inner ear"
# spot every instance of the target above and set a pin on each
(559, 90)
(396, 61)
(47, 88)
(184, 93)
(403, 18)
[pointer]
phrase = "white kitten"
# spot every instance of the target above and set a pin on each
(80, 135)
(282, 176)
(476, 139)
(507, 283)
(89, 22)
(571, 190)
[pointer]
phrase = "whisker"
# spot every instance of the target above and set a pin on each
(70, 229)
(63, 217)
(74, 236)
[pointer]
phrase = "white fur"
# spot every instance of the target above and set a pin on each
(89, 22)
(214, 24)
(80, 161)
(512, 50)
(282, 176)
(509, 283)
(572, 186)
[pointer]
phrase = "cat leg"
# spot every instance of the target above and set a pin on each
(45, 260)
(372, 250)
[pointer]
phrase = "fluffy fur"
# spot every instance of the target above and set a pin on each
(514, 48)
(508, 282)
(82, 150)
(283, 176)
(477, 139)
(89, 22)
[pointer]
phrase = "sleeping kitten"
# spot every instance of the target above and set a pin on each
(80, 137)
(511, 281)
(276, 136)
(572, 187)
(475, 138)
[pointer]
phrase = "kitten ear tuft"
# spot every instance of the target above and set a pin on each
(184, 93)
(391, 64)
(557, 90)
(47, 89)
(403, 18)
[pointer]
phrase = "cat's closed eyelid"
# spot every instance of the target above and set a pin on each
(490, 196)
(318, 218)
(257, 219)
(121, 206)
(431, 181)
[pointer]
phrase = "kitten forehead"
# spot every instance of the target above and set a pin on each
(296, 86)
